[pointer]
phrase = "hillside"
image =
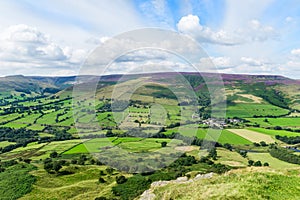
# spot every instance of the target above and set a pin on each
(83, 143)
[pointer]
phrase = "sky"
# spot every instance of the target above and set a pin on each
(54, 38)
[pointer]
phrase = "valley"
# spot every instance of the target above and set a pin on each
(102, 147)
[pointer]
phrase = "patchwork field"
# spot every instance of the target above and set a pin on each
(222, 137)
(253, 136)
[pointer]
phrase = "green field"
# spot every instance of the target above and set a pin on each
(128, 144)
(231, 158)
(244, 110)
(213, 135)
(273, 162)
(275, 132)
(91, 146)
(271, 122)
(6, 143)
(15, 125)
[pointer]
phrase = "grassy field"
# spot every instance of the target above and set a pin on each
(40, 151)
(252, 136)
(214, 135)
(6, 143)
(231, 158)
(128, 144)
(273, 162)
(251, 183)
(15, 125)
(271, 122)
(82, 183)
(245, 110)
(274, 132)
(91, 146)
(144, 145)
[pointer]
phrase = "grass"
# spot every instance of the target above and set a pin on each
(91, 146)
(214, 135)
(252, 136)
(28, 119)
(245, 110)
(15, 125)
(9, 117)
(283, 121)
(16, 181)
(275, 132)
(273, 162)
(6, 143)
(231, 158)
(149, 144)
(251, 183)
(36, 127)
(128, 144)
(82, 183)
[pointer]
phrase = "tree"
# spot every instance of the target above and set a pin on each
(27, 160)
(213, 153)
(56, 166)
(54, 154)
(164, 144)
(263, 144)
(101, 173)
(121, 179)
(109, 170)
(100, 198)
(266, 164)
(257, 164)
(228, 146)
(250, 162)
(48, 166)
(101, 180)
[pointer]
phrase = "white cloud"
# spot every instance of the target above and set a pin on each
(191, 25)
(218, 62)
(295, 52)
(254, 31)
(258, 32)
(289, 19)
(251, 61)
(27, 47)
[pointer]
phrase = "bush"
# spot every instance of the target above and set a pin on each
(164, 144)
(257, 164)
(228, 146)
(133, 187)
(101, 180)
(250, 162)
(54, 154)
(121, 179)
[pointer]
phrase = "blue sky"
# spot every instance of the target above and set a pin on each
(55, 37)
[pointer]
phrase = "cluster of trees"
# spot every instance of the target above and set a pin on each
(288, 140)
(257, 163)
(20, 136)
(260, 144)
(284, 155)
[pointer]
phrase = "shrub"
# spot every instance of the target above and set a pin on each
(121, 179)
